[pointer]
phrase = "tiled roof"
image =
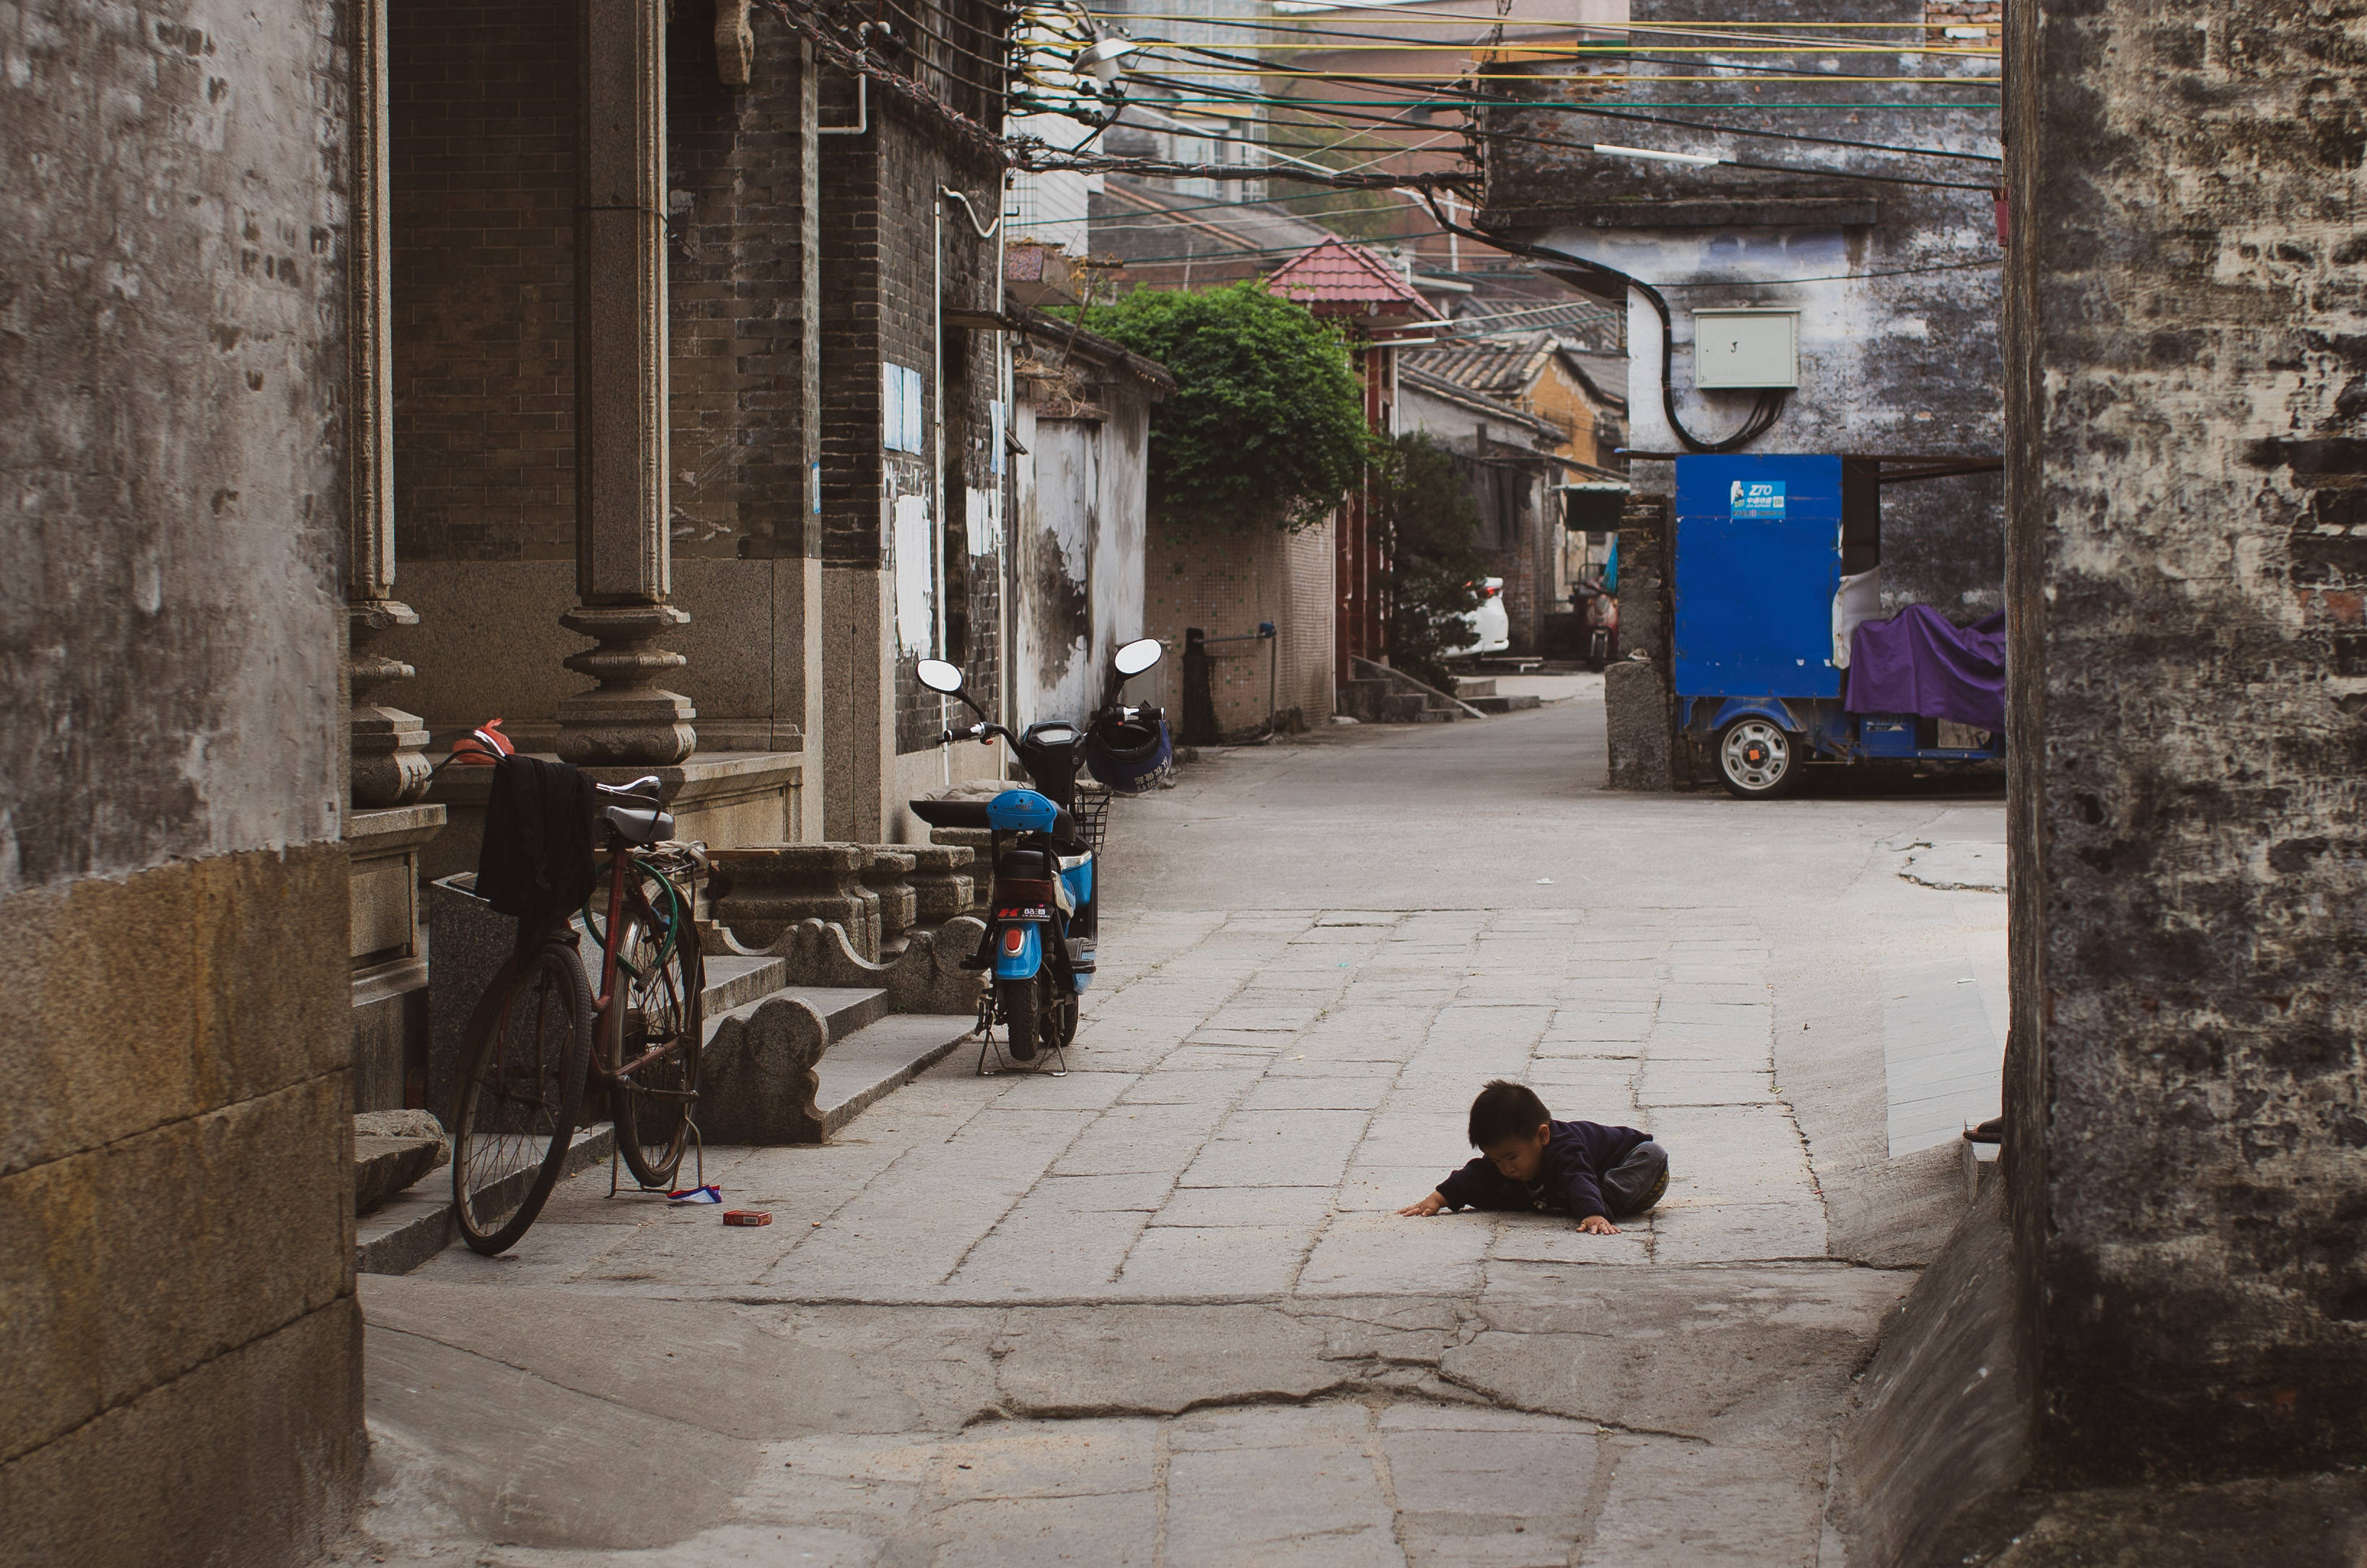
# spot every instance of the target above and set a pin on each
(1509, 367)
(1338, 279)
(1547, 435)
(1585, 320)
(1605, 375)
(1501, 367)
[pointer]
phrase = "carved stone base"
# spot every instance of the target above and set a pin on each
(388, 769)
(387, 766)
(758, 1084)
(943, 885)
(888, 877)
(627, 720)
(979, 841)
(926, 977)
(762, 891)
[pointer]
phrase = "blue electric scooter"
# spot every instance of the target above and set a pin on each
(1042, 926)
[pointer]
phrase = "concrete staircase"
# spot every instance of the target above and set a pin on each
(1479, 690)
(867, 1053)
(1375, 694)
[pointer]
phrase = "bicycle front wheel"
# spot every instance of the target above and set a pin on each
(658, 1009)
(519, 1099)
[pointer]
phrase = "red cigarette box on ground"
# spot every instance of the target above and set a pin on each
(747, 1217)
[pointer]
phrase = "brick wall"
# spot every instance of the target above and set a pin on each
(1939, 16)
(880, 271)
(736, 274)
(481, 155)
(1226, 583)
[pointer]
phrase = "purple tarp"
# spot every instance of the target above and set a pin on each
(1919, 662)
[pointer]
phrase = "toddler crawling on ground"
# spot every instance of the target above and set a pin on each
(1530, 1161)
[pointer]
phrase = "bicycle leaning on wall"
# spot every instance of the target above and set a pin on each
(544, 1050)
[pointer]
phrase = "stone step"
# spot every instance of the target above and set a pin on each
(385, 1166)
(416, 1223)
(733, 981)
(1434, 715)
(874, 1062)
(843, 1009)
(1492, 704)
(1471, 688)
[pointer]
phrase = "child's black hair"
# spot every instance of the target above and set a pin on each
(1506, 1109)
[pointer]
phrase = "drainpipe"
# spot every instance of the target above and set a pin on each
(862, 91)
(1008, 608)
(1001, 460)
(937, 458)
(862, 111)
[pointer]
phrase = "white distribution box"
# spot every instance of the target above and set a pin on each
(1740, 350)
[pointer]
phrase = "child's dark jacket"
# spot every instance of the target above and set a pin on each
(1577, 1157)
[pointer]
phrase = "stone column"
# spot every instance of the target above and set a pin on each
(622, 575)
(388, 768)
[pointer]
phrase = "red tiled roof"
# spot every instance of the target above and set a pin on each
(1340, 279)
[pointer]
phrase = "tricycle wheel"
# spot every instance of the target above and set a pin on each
(1758, 760)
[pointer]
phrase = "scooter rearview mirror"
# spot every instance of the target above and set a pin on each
(1139, 656)
(939, 676)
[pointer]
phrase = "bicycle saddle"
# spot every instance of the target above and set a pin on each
(636, 813)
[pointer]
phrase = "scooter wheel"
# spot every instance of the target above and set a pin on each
(1022, 1010)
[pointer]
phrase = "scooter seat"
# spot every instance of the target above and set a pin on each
(972, 814)
(950, 812)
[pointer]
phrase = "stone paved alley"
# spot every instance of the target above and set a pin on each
(1160, 1311)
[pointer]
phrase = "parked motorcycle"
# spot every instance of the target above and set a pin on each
(1043, 928)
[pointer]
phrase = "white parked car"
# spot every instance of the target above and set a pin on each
(1492, 629)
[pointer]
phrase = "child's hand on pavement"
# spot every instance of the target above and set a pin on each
(1422, 1209)
(1594, 1224)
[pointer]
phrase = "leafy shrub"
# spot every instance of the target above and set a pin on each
(1266, 425)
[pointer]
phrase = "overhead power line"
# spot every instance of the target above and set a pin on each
(1701, 159)
(1494, 100)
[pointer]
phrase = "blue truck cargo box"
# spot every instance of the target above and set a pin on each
(1758, 562)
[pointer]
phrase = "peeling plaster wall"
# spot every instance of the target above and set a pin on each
(170, 657)
(1080, 562)
(2189, 724)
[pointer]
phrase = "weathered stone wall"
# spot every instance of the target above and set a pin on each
(2187, 1145)
(181, 1383)
(1638, 715)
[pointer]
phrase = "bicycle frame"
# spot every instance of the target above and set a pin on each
(622, 862)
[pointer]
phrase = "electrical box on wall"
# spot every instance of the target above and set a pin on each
(1746, 350)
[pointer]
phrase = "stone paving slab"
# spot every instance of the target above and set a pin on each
(1162, 1310)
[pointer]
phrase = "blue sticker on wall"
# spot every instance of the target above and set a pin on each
(1758, 498)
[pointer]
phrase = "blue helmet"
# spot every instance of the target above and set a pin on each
(1130, 755)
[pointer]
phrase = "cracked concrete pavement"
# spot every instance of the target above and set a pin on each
(1161, 1311)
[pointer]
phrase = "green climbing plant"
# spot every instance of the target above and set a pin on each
(1429, 528)
(1266, 425)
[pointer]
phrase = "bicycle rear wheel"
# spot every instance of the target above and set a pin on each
(660, 984)
(520, 1094)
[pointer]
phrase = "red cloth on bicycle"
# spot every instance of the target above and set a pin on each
(535, 860)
